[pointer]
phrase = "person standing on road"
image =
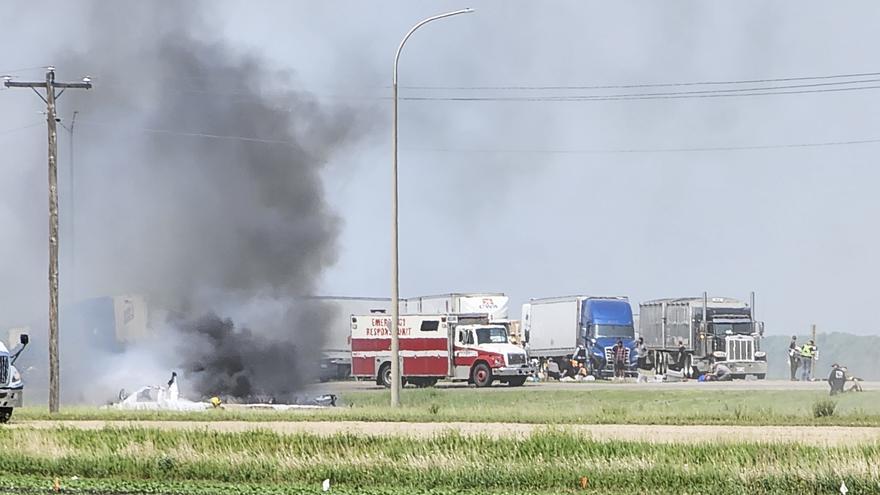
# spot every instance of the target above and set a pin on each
(641, 353)
(807, 353)
(794, 357)
(619, 352)
(680, 360)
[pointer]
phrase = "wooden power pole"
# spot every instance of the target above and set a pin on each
(50, 86)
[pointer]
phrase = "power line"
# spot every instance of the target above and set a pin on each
(647, 96)
(16, 129)
(23, 69)
(648, 150)
(705, 93)
(192, 134)
(251, 139)
(645, 85)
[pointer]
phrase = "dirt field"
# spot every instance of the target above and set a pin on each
(810, 435)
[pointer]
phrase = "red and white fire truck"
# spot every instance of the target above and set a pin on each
(436, 347)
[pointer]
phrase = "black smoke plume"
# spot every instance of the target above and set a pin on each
(199, 186)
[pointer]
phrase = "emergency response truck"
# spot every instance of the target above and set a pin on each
(435, 347)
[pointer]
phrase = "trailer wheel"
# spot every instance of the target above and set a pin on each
(5, 414)
(481, 375)
(761, 376)
(384, 377)
(516, 381)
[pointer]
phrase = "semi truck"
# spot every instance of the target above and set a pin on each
(555, 327)
(492, 304)
(433, 347)
(709, 330)
(11, 383)
(335, 361)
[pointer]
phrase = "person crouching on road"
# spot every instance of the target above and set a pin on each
(720, 373)
(794, 357)
(837, 379)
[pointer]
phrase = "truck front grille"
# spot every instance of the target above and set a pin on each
(4, 370)
(740, 349)
(609, 357)
(516, 359)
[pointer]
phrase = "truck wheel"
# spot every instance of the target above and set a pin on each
(384, 377)
(5, 414)
(516, 381)
(481, 375)
(761, 376)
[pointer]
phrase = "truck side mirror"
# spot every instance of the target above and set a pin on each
(24, 339)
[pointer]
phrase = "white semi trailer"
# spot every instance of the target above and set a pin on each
(492, 304)
(709, 330)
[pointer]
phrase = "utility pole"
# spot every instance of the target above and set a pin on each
(51, 96)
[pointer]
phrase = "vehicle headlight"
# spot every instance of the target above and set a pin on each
(16, 376)
(760, 355)
(497, 360)
(719, 354)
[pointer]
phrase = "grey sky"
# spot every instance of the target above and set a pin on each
(795, 225)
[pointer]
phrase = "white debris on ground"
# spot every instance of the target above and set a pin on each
(159, 398)
(152, 398)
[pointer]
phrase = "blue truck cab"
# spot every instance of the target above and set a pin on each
(604, 321)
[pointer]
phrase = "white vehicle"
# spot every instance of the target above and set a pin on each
(11, 385)
(435, 347)
(492, 304)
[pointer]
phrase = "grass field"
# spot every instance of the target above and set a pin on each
(612, 406)
(553, 461)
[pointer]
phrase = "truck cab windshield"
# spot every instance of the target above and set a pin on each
(491, 335)
(744, 328)
(622, 331)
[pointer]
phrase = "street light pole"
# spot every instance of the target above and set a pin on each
(395, 279)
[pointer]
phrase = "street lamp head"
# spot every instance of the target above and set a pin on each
(87, 79)
(7, 78)
(51, 68)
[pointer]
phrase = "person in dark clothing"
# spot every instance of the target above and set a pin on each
(619, 353)
(681, 358)
(837, 379)
(580, 354)
(794, 357)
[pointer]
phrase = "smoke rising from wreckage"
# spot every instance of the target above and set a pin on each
(206, 229)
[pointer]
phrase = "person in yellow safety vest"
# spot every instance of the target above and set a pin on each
(808, 352)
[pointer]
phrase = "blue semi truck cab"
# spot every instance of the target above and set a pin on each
(604, 321)
(584, 328)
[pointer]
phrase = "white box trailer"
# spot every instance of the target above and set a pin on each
(493, 304)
